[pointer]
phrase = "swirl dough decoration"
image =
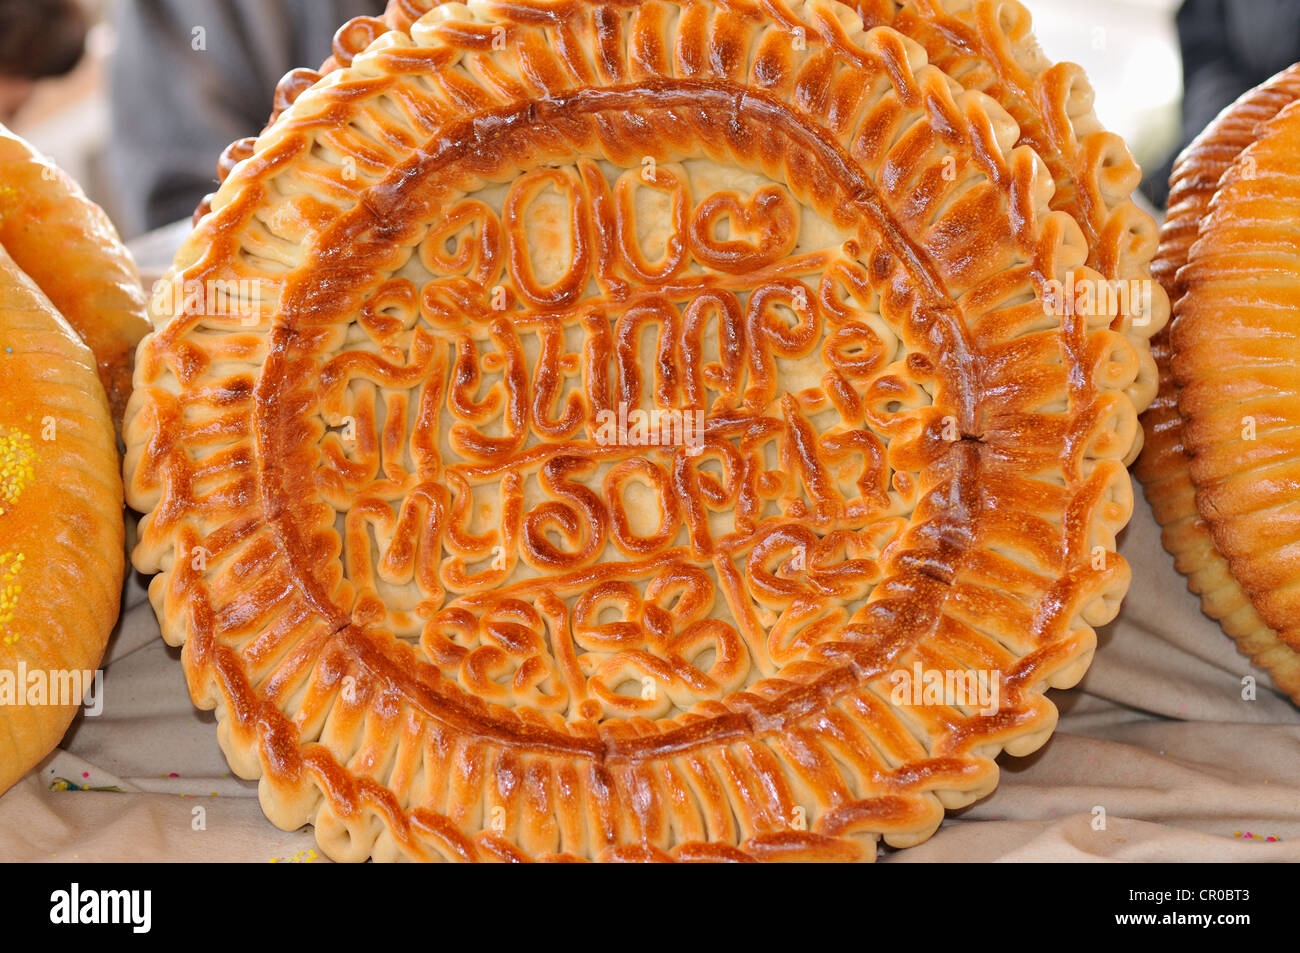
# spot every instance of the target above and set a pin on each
(442, 616)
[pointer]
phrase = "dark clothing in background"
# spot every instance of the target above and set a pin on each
(175, 108)
(1228, 47)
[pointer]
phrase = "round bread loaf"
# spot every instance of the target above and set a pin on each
(68, 247)
(1165, 467)
(61, 527)
(450, 600)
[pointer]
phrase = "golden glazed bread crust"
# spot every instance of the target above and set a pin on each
(1165, 467)
(991, 47)
(946, 460)
(68, 247)
(1234, 360)
(61, 526)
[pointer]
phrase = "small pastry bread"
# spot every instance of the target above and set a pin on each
(586, 430)
(62, 550)
(1214, 462)
(68, 247)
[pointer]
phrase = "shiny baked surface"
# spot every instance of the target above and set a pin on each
(1218, 158)
(61, 525)
(68, 247)
(441, 614)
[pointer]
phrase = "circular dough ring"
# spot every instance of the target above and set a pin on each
(68, 247)
(61, 528)
(1165, 465)
(1008, 561)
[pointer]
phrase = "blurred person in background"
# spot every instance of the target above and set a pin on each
(1228, 47)
(191, 76)
(39, 39)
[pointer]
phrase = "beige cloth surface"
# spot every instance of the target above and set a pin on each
(1158, 736)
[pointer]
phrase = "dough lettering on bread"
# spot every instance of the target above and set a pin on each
(452, 598)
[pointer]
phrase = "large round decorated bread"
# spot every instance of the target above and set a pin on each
(61, 523)
(1218, 465)
(587, 430)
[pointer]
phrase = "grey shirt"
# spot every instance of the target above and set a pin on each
(191, 76)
